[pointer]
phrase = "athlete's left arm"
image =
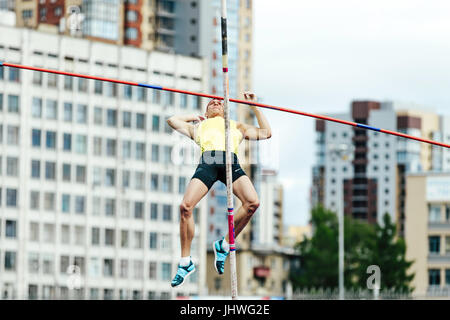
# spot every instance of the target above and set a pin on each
(251, 132)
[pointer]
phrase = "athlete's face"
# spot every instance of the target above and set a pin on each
(214, 109)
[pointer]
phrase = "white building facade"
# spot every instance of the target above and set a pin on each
(89, 194)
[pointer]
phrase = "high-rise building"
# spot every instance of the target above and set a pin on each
(355, 170)
(87, 185)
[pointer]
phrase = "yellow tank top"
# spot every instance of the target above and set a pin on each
(211, 135)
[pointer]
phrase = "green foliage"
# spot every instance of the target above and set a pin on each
(364, 245)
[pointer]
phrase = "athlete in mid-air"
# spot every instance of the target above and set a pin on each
(209, 134)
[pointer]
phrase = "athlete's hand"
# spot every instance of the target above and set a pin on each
(250, 96)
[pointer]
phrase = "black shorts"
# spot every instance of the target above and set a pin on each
(211, 168)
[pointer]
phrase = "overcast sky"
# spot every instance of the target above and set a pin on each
(319, 55)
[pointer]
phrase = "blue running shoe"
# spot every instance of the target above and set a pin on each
(220, 256)
(182, 274)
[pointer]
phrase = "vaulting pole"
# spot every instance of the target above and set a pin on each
(210, 96)
(229, 180)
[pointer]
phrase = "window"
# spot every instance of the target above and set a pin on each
(132, 15)
(152, 270)
(167, 128)
(111, 89)
(157, 97)
(153, 240)
(67, 142)
(37, 78)
(68, 82)
(126, 178)
(110, 207)
(13, 135)
(434, 213)
(167, 155)
(123, 268)
(110, 177)
(111, 147)
(138, 210)
(68, 112)
(181, 185)
(98, 115)
(138, 240)
(166, 241)
(80, 144)
(82, 114)
(49, 233)
(141, 94)
(154, 182)
(166, 271)
(98, 87)
(66, 170)
(111, 118)
(140, 151)
(34, 231)
(126, 149)
(10, 261)
(50, 139)
(34, 200)
(131, 33)
(81, 174)
(434, 277)
(10, 229)
(49, 201)
(11, 197)
(138, 270)
(155, 153)
(196, 102)
(97, 176)
(139, 180)
(65, 234)
(35, 169)
(434, 244)
(36, 107)
(447, 245)
(167, 212)
(82, 85)
(50, 170)
(140, 121)
(96, 204)
(155, 123)
(80, 203)
(169, 98)
(14, 75)
(52, 80)
(153, 211)
(36, 138)
(109, 237)
(108, 267)
(65, 203)
(12, 166)
(95, 236)
(124, 235)
(183, 101)
(97, 146)
(126, 115)
(127, 92)
(51, 109)
(167, 185)
(79, 236)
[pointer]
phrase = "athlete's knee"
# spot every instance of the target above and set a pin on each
(252, 205)
(186, 209)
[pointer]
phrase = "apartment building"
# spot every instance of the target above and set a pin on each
(356, 168)
(89, 192)
(427, 233)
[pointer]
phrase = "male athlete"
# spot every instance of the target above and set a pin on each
(209, 134)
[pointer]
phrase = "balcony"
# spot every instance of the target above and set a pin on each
(438, 258)
(439, 225)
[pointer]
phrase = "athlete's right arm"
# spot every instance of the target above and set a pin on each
(182, 123)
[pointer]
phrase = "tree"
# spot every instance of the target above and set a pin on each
(364, 245)
(388, 252)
